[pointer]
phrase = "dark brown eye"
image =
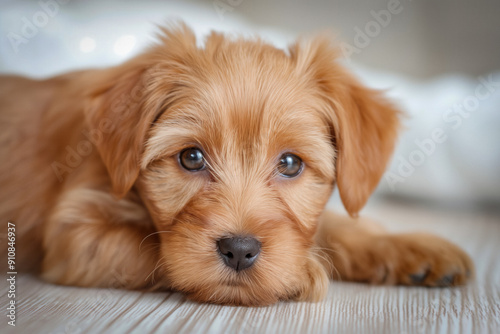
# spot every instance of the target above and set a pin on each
(290, 165)
(192, 159)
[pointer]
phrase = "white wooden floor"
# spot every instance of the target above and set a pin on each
(348, 308)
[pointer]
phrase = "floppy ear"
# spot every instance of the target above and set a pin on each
(367, 130)
(118, 122)
(364, 123)
(125, 101)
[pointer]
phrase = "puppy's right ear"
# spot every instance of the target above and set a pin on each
(124, 102)
(363, 122)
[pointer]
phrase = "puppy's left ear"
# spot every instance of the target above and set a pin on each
(125, 101)
(118, 119)
(364, 123)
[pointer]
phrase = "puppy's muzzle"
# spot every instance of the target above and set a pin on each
(239, 253)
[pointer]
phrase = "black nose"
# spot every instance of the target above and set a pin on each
(239, 252)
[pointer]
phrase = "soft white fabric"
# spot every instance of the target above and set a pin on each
(463, 164)
(348, 308)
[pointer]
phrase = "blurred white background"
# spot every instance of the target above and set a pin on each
(440, 61)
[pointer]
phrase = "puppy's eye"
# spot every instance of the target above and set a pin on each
(290, 165)
(192, 159)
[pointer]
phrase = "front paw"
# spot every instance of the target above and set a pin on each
(409, 259)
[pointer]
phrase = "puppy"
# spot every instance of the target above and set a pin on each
(206, 171)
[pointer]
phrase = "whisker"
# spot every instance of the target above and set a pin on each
(158, 232)
(323, 251)
(156, 267)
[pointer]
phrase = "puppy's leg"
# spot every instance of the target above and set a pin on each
(91, 239)
(360, 251)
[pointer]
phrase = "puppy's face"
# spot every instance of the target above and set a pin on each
(240, 156)
(245, 146)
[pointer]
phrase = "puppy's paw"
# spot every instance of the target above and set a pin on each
(410, 259)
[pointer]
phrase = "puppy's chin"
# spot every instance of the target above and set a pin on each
(234, 293)
(286, 269)
(246, 289)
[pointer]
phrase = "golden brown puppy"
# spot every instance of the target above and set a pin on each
(206, 170)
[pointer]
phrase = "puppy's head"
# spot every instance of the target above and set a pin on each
(235, 149)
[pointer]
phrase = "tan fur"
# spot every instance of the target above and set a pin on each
(91, 178)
